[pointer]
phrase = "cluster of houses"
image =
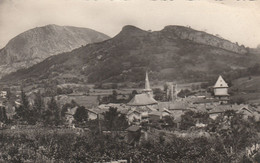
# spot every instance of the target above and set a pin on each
(144, 108)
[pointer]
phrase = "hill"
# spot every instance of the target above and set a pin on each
(174, 53)
(35, 45)
(246, 89)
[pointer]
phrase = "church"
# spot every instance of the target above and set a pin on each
(145, 98)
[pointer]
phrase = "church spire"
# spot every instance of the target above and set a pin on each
(147, 88)
(147, 83)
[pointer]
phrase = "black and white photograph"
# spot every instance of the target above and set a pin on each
(129, 81)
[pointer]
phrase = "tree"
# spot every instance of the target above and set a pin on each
(114, 120)
(38, 105)
(24, 100)
(23, 112)
(255, 69)
(114, 86)
(238, 100)
(112, 98)
(51, 115)
(169, 120)
(134, 92)
(159, 94)
(114, 95)
(99, 99)
(184, 93)
(187, 120)
(81, 115)
(65, 107)
(235, 132)
(3, 116)
(190, 118)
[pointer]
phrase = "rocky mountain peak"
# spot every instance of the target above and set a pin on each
(187, 33)
(131, 31)
(34, 45)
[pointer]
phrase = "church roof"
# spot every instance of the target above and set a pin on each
(142, 100)
(220, 83)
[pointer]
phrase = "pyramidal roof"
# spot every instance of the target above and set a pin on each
(220, 83)
(142, 100)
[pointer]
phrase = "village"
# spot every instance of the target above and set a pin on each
(142, 106)
(137, 117)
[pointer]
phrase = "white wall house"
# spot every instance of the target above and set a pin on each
(221, 87)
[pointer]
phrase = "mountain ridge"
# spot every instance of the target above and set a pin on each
(205, 38)
(125, 57)
(34, 45)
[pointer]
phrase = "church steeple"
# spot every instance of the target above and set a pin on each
(147, 88)
(147, 83)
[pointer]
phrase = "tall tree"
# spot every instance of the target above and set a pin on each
(114, 96)
(3, 116)
(22, 111)
(65, 107)
(38, 105)
(81, 115)
(24, 100)
(52, 113)
(114, 120)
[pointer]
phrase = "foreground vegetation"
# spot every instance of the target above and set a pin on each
(47, 145)
(227, 139)
(44, 137)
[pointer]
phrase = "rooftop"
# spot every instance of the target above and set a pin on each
(220, 83)
(133, 128)
(142, 100)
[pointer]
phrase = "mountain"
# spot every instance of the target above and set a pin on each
(174, 53)
(35, 45)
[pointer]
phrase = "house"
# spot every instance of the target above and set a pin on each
(165, 112)
(256, 112)
(220, 109)
(70, 115)
(202, 95)
(114, 105)
(92, 115)
(175, 109)
(133, 134)
(3, 94)
(154, 116)
(221, 89)
(96, 113)
(10, 111)
(134, 116)
(248, 112)
(123, 110)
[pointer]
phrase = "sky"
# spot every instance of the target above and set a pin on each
(235, 20)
